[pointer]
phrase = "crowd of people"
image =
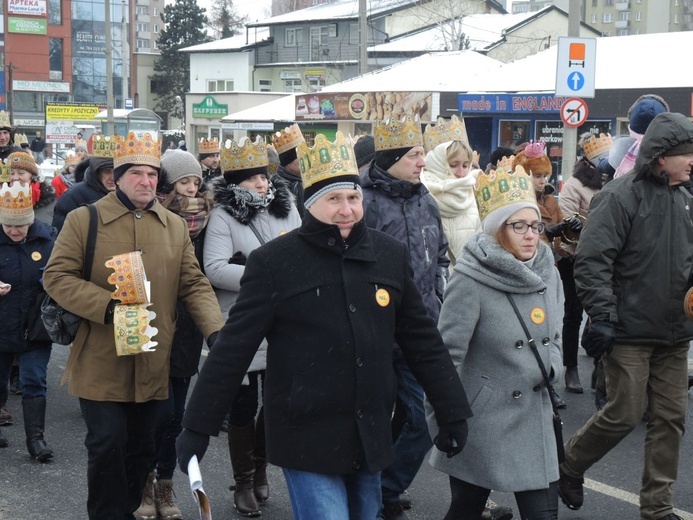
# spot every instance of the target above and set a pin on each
(364, 305)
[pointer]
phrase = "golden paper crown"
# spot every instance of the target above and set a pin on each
(287, 138)
(5, 120)
(505, 164)
(208, 146)
(20, 139)
(71, 159)
(5, 173)
(595, 146)
(499, 188)
(16, 207)
(326, 159)
(392, 134)
(104, 146)
(249, 155)
(129, 278)
(81, 143)
(444, 131)
(132, 150)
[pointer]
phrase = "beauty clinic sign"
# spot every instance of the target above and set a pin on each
(27, 7)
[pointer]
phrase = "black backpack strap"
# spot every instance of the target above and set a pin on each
(91, 240)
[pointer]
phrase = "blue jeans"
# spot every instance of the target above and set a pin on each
(413, 441)
(169, 426)
(32, 371)
(333, 497)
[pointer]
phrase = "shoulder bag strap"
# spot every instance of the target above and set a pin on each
(533, 346)
(257, 233)
(91, 240)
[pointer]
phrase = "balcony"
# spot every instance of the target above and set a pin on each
(622, 24)
(622, 6)
(145, 35)
(143, 18)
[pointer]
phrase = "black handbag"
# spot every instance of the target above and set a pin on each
(61, 325)
(557, 422)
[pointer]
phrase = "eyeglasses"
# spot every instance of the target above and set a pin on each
(521, 227)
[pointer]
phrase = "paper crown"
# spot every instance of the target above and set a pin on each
(20, 139)
(245, 157)
(444, 131)
(595, 146)
(129, 278)
(81, 143)
(71, 159)
(104, 146)
(392, 134)
(325, 162)
(499, 188)
(16, 207)
(534, 159)
(506, 164)
(132, 150)
(5, 173)
(287, 138)
(5, 120)
(206, 146)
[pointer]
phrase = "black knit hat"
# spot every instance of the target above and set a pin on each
(387, 158)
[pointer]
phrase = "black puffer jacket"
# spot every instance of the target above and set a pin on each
(407, 212)
(635, 256)
(295, 185)
(21, 265)
(86, 192)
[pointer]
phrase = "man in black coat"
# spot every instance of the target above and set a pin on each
(331, 298)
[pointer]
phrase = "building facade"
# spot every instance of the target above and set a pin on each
(626, 17)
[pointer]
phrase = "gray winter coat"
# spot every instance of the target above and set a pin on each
(229, 233)
(634, 259)
(409, 213)
(511, 445)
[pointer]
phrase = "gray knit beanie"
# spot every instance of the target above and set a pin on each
(178, 164)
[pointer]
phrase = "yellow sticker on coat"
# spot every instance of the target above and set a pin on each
(538, 315)
(382, 297)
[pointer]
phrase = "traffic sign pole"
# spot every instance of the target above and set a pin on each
(570, 133)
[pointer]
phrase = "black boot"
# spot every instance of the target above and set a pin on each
(34, 423)
(241, 450)
(560, 403)
(572, 380)
(260, 477)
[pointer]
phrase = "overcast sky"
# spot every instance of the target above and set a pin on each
(255, 9)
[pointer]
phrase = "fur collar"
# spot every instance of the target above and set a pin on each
(587, 174)
(47, 195)
(225, 196)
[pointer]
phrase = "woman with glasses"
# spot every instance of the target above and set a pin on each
(511, 445)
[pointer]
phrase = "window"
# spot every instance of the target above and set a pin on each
(607, 18)
(141, 10)
(353, 34)
(220, 85)
(292, 85)
(55, 58)
(622, 32)
(293, 37)
(594, 18)
(607, 3)
(265, 85)
(155, 11)
(318, 43)
(676, 18)
(316, 84)
(638, 16)
(606, 33)
(156, 28)
(142, 43)
(55, 12)
(624, 16)
(142, 27)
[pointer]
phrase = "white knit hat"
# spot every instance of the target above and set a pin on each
(178, 164)
(494, 220)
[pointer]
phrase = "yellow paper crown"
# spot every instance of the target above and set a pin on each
(499, 188)
(16, 207)
(5, 173)
(208, 145)
(287, 138)
(5, 120)
(326, 159)
(444, 131)
(132, 150)
(20, 139)
(129, 278)
(104, 146)
(595, 146)
(71, 159)
(392, 134)
(249, 155)
(505, 164)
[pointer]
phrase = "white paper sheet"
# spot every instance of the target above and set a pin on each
(196, 487)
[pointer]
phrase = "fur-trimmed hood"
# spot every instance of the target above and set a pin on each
(587, 174)
(226, 196)
(47, 195)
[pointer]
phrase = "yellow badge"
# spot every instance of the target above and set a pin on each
(382, 297)
(538, 315)
(36, 256)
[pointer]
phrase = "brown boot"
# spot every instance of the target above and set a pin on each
(241, 449)
(147, 509)
(260, 478)
(165, 503)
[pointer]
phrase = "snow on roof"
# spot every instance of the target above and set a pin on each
(424, 73)
(336, 10)
(481, 29)
(282, 110)
(255, 35)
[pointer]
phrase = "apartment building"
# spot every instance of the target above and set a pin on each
(626, 17)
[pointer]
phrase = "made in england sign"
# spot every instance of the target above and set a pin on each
(208, 108)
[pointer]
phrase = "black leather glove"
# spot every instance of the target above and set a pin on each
(600, 338)
(110, 310)
(555, 231)
(190, 443)
(451, 438)
(211, 340)
(238, 258)
(575, 224)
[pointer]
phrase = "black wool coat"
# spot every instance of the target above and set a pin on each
(330, 311)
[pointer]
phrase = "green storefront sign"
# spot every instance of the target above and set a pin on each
(209, 109)
(26, 25)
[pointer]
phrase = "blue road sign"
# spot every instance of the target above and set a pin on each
(576, 81)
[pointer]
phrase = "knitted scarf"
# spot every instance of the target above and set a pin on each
(195, 211)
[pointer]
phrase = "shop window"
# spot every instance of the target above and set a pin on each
(55, 58)
(513, 133)
(293, 85)
(55, 12)
(265, 85)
